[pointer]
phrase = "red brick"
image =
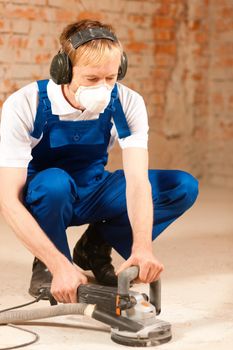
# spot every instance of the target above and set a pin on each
(63, 15)
(136, 18)
(230, 103)
(224, 63)
(227, 12)
(224, 26)
(164, 60)
(26, 13)
(94, 15)
(159, 112)
(227, 130)
(224, 49)
(163, 22)
(201, 38)
(43, 58)
(148, 85)
(9, 86)
(157, 99)
(217, 99)
(160, 85)
(41, 42)
(197, 76)
(164, 9)
(200, 11)
(136, 46)
(162, 74)
(18, 42)
(198, 52)
(171, 8)
(201, 97)
(164, 35)
(169, 49)
(194, 25)
(22, 56)
(200, 133)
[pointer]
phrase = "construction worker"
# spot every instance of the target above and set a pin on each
(55, 138)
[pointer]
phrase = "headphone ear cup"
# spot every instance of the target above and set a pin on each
(123, 67)
(61, 69)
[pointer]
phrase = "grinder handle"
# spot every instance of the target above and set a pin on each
(125, 277)
(128, 275)
(155, 295)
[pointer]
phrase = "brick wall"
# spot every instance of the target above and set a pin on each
(180, 60)
(219, 164)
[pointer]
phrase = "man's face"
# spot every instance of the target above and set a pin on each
(104, 73)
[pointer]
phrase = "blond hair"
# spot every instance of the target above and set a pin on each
(93, 52)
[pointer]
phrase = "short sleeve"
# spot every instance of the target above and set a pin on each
(136, 115)
(16, 125)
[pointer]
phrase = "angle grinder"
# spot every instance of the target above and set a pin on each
(131, 315)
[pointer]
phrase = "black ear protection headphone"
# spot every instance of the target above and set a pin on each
(61, 67)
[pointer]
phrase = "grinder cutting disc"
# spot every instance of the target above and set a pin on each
(155, 334)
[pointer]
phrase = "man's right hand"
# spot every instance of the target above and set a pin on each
(66, 280)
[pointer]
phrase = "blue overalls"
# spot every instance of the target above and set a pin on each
(68, 184)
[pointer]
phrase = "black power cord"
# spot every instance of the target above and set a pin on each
(44, 292)
(36, 338)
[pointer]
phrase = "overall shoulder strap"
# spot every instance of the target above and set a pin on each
(119, 115)
(43, 109)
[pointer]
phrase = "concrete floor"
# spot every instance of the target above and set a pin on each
(197, 284)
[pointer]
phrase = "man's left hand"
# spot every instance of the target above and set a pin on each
(149, 267)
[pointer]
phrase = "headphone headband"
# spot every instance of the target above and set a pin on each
(89, 34)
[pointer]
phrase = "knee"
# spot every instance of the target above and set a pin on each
(53, 185)
(189, 187)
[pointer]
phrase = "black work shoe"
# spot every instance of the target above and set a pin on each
(41, 280)
(91, 252)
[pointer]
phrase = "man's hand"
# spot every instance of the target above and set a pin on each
(66, 280)
(149, 268)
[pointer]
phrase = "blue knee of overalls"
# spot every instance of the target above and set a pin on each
(49, 197)
(173, 192)
(53, 189)
(188, 188)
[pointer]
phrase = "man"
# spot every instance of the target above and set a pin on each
(55, 137)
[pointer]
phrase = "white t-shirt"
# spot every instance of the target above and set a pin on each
(19, 112)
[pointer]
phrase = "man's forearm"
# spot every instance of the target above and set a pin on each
(140, 211)
(29, 232)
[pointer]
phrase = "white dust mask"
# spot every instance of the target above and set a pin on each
(94, 98)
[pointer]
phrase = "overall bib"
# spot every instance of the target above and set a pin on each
(68, 185)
